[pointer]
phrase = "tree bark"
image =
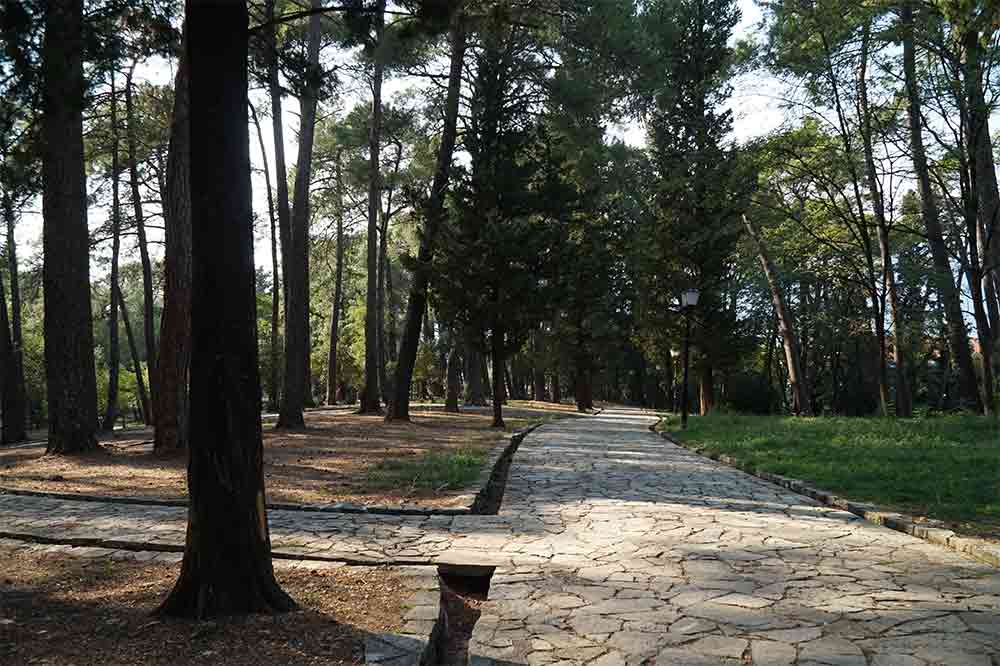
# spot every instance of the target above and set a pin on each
(370, 400)
(338, 288)
(71, 379)
(942, 277)
(14, 401)
(706, 388)
(800, 392)
(140, 228)
(399, 406)
(227, 556)
(274, 382)
(172, 407)
(297, 376)
(140, 382)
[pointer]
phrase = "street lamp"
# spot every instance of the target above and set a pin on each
(689, 299)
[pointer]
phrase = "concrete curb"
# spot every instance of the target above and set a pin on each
(930, 531)
(469, 500)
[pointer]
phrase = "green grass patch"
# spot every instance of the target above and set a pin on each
(433, 470)
(944, 467)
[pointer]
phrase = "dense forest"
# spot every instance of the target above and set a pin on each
(444, 209)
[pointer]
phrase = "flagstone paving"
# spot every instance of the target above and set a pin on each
(614, 546)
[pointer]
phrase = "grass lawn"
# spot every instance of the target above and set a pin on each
(941, 467)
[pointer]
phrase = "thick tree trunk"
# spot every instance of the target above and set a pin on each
(140, 382)
(297, 376)
(174, 362)
(332, 380)
(583, 387)
(111, 409)
(273, 388)
(556, 384)
(475, 391)
(706, 388)
(370, 400)
(71, 380)
(800, 392)
(399, 406)
(140, 229)
(227, 557)
(942, 277)
(14, 401)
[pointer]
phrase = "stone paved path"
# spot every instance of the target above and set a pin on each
(616, 547)
(656, 555)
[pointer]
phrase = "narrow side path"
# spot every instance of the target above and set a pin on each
(653, 554)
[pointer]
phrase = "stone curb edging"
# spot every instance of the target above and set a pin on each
(932, 532)
(470, 499)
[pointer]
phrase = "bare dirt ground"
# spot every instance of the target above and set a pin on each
(331, 461)
(64, 610)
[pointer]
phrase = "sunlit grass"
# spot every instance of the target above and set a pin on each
(944, 467)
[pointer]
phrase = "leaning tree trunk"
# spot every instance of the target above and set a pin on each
(297, 284)
(332, 371)
(399, 407)
(172, 407)
(227, 556)
(14, 402)
(275, 352)
(140, 229)
(941, 277)
(370, 401)
(800, 392)
(71, 380)
(111, 410)
(140, 382)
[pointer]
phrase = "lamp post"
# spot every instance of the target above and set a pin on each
(689, 299)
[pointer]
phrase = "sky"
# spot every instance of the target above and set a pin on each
(754, 106)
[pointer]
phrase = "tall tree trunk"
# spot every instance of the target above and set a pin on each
(111, 409)
(383, 358)
(140, 382)
(453, 385)
(140, 229)
(227, 556)
(71, 380)
(14, 401)
(273, 388)
(556, 384)
(297, 353)
(338, 288)
(370, 400)
(278, 132)
(904, 396)
(174, 362)
(800, 392)
(496, 355)
(942, 277)
(399, 407)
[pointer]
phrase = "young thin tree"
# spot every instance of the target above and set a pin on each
(227, 558)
